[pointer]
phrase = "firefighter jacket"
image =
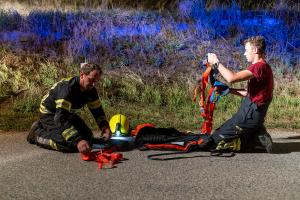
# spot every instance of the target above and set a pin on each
(65, 97)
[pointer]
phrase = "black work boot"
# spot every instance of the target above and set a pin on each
(264, 140)
(31, 137)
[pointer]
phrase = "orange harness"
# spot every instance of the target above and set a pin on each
(103, 157)
(207, 105)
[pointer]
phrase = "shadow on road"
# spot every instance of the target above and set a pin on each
(293, 137)
(286, 147)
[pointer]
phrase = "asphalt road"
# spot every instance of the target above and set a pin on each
(29, 172)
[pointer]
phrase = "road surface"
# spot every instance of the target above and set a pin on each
(29, 172)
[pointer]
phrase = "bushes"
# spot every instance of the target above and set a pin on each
(165, 102)
(161, 5)
(134, 88)
(11, 81)
(145, 55)
(10, 20)
(149, 39)
(47, 75)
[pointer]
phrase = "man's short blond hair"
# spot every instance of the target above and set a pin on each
(258, 42)
(86, 68)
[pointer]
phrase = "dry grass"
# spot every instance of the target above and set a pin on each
(149, 77)
(142, 97)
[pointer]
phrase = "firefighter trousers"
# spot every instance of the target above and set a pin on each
(52, 136)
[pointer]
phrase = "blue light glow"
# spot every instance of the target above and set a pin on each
(55, 26)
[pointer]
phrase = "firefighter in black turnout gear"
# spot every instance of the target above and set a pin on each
(58, 127)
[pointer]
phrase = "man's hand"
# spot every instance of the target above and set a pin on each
(212, 59)
(106, 134)
(83, 146)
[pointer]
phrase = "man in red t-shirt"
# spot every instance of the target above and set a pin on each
(246, 128)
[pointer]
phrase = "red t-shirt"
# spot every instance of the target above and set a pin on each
(260, 87)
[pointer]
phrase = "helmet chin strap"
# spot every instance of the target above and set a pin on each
(118, 129)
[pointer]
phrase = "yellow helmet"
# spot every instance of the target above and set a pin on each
(119, 125)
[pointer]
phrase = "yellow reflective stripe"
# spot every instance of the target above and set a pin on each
(44, 110)
(234, 145)
(62, 103)
(45, 97)
(53, 144)
(68, 133)
(94, 104)
(220, 145)
(237, 144)
(64, 79)
(54, 85)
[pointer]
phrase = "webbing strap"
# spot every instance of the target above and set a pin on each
(186, 148)
(103, 157)
(207, 104)
(204, 83)
(170, 146)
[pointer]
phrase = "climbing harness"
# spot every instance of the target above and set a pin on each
(207, 105)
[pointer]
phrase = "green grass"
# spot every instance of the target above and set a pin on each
(144, 100)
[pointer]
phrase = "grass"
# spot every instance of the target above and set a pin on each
(151, 61)
(164, 102)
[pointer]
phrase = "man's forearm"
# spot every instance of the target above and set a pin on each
(225, 72)
(238, 92)
(103, 124)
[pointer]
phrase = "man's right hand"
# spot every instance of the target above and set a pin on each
(212, 58)
(106, 134)
(83, 146)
